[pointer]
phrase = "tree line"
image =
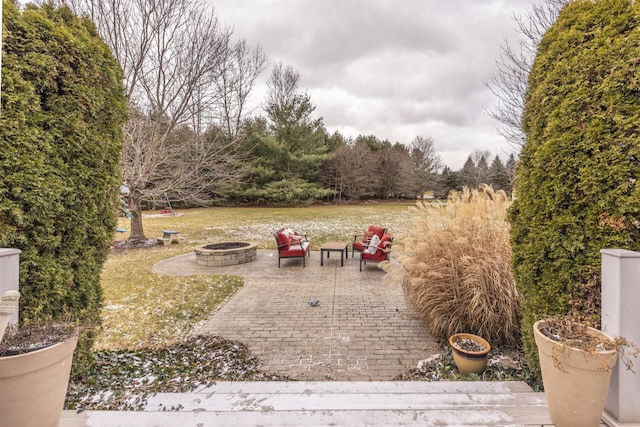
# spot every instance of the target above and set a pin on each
(191, 138)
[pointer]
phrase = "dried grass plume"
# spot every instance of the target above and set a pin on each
(455, 260)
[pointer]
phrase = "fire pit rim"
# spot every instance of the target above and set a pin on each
(226, 245)
(226, 257)
(202, 249)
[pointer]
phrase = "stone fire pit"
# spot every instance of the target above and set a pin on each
(226, 253)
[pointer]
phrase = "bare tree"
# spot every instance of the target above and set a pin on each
(174, 53)
(182, 165)
(478, 156)
(510, 83)
(352, 171)
(394, 171)
(282, 86)
(236, 78)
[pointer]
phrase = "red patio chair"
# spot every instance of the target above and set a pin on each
(291, 245)
(383, 249)
(359, 245)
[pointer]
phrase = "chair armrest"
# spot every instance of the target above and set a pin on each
(367, 247)
(303, 238)
(365, 242)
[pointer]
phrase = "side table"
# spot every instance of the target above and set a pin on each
(342, 247)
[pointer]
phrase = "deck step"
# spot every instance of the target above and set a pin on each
(375, 403)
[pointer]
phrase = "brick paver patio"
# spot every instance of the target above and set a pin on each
(361, 329)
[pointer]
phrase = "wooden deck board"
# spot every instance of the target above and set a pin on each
(369, 386)
(334, 403)
(220, 402)
(462, 417)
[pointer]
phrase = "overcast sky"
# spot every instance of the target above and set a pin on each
(395, 69)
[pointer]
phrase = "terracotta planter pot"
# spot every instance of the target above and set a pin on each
(576, 397)
(33, 385)
(469, 361)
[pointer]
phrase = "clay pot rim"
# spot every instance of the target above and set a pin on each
(540, 324)
(453, 339)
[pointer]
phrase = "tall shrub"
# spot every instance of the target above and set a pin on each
(63, 107)
(576, 181)
(456, 267)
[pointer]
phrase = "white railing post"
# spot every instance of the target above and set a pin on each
(621, 317)
(9, 268)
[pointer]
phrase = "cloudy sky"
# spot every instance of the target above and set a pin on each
(395, 69)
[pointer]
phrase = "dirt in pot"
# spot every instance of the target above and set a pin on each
(467, 344)
(564, 330)
(31, 338)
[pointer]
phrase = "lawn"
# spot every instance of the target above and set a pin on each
(321, 222)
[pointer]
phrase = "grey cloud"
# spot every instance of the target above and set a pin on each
(400, 68)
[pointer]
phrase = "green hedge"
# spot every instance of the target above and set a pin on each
(286, 192)
(576, 181)
(63, 107)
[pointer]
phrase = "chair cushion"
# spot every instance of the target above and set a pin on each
(375, 241)
(358, 246)
(294, 236)
(295, 251)
(384, 243)
(283, 241)
(378, 231)
(375, 257)
(367, 235)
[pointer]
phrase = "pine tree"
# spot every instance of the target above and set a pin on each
(499, 176)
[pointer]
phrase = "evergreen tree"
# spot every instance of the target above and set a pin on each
(448, 181)
(469, 174)
(576, 181)
(483, 171)
(511, 168)
(298, 141)
(372, 142)
(287, 157)
(499, 176)
(63, 108)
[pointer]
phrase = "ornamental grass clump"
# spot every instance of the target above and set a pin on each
(455, 260)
